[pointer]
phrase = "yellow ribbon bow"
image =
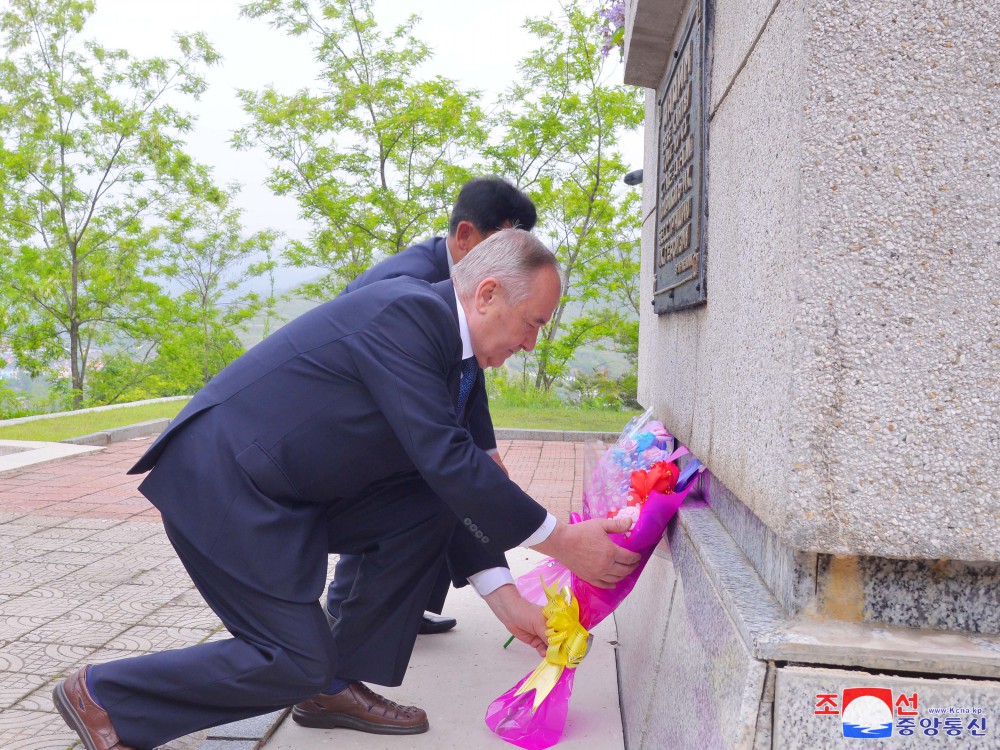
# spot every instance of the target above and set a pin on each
(569, 642)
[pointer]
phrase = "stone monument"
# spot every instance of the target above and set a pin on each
(821, 327)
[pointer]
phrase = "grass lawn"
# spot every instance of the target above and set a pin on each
(524, 417)
(75, 425)
(560, 418)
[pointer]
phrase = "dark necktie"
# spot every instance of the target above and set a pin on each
(470, 369)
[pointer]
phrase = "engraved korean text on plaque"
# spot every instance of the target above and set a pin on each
(680, 255)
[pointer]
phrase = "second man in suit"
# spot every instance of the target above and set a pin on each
(484, 205)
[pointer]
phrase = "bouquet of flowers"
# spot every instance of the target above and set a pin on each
(638, 478)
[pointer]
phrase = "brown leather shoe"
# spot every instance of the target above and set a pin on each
(358, 707)
(81, 712)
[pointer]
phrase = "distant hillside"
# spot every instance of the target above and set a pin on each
(289, 307)
(588, 359)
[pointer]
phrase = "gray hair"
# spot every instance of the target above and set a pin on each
(511, 256)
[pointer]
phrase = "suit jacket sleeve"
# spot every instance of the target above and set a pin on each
(465, 556)
(427, 261)
(478, 418)
(407, 356)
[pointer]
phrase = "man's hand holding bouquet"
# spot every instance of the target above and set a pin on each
(636, 480)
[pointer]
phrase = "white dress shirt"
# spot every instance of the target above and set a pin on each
(489, 580)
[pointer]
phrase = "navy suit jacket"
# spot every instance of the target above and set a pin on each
(355, 392)
(429, 261)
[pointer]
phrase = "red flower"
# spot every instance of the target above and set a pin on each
(661, 477)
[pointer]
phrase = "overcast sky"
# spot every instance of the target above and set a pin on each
(475, 42)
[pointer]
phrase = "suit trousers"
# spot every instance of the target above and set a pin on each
(281, 650)
(345, 576)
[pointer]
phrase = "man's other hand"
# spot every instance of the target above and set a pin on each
(523, 619)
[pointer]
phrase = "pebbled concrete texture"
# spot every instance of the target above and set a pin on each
(718, 375)
(843, 378)
(706, 682)
(707, 622)
(897, 371)
(932, 594)
(737, 26)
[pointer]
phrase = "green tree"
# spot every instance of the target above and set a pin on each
(561, 124)
(205, 261)
(90, 145)
(373, 153)
(207, 255)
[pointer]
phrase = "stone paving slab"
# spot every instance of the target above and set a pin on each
(87, 576)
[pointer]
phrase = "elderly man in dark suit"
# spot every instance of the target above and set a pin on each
(298, 449)
(484, 205)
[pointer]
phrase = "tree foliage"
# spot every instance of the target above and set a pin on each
(121, 265)
(561, 124)
(207, 258)
(373, 152)
(91, 142)
(204, 259)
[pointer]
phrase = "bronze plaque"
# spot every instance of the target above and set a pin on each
(679, 246)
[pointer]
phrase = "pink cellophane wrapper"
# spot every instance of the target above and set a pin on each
(510, 716)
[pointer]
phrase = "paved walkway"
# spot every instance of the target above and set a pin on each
(456, 675)
(87, 575)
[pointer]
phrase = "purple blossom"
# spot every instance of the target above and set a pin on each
(616, 15)
(613, 17)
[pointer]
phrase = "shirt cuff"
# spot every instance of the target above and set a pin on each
(547, 527)
(489, 580)
(491, 451)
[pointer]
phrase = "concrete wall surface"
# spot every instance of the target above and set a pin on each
(843, 379)
(841, 384)
(708, 658)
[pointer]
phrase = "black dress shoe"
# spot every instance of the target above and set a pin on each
(430, 624)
